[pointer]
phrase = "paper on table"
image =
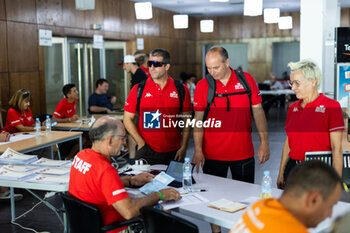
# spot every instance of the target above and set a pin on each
(49, 179)
(53, 171)
(13, 157)
(158, 183)
(187, 199)
(20, 168)
(160, 167)
(250, 200)
(6, 174)
(52, 163)
(18, 137)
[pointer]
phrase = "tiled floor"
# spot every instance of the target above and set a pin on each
(43, 219)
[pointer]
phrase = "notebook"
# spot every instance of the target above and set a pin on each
(175, 170)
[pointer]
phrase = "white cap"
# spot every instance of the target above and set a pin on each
(129, 59)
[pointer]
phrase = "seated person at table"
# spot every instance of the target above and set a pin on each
(5, 191)
(311, 191)
(99, 101)
(19, 116)
(274, 84)
(66, 108)
(94, 180)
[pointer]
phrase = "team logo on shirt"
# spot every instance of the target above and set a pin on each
(174, 95)
(151, 120)
(321, 109)
(148, 95)
(70, 110)
(295, 109)
(239, 86)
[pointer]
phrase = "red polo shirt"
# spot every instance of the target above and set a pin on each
(309, 128)
(94, 180)
(65, 109)
(232, 141)
(15, 118)
(161, 137)
(146, 70)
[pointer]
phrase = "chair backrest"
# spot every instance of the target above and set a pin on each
(157, 221)
(82, 217)
(326, 156)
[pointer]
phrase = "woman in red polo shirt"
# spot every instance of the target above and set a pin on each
(19, 116)
(314, 123)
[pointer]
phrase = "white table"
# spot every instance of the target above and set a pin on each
(236, 190)
(277, 92)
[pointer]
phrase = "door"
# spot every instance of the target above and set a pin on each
(74, 60)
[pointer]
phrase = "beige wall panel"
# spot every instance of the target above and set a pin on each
(345, 17)
(21, 10)
(72, 17)
(29, 81)
(253, 27)
(131, 47)
(2, 9)
(42, 94)
(256, 50)
(127, 16)
(230, 27)
(95, 16)
(296, 24)
(4, 91)
(3, 47)
(22, 47)
(258, 71)
(112, 15)
(166, 27)
(49, 12)
(190, 52)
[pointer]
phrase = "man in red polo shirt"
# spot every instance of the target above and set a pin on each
(66, 108)
(230, 145)
(158, 137)
(94, 180)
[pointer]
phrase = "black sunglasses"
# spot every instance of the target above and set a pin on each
(155, 63)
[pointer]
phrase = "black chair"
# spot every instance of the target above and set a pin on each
(157, 221)
(84, 217)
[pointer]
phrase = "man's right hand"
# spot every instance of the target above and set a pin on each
(108, 110)
(198, 159)
(4, 136)
(280, 181)
(170, 194)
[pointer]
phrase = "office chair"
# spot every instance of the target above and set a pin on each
(157, 221)
(84, 217)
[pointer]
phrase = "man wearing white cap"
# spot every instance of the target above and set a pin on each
(137, 74)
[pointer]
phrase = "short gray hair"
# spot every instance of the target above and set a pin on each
(99, 133)
(309, 69)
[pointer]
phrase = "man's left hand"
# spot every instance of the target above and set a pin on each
(141, 179)
(263, 153)
(180, 154)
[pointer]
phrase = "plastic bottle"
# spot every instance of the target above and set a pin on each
(186, 175)
(48, 124)
(266, 185)
(37, 127)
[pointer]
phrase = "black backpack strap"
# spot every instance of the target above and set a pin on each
(181, 92)
(140, 88)
(244, 82)
(211, 94)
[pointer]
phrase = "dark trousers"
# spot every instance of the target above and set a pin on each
(289, 166)
(242, 170)
(153, 157)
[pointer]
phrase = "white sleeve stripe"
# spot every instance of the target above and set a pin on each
(337, 128)
(13, 122)
(56, 113)
(119, 191)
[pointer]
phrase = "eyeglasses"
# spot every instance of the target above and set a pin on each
(296, 83)
(155, 63)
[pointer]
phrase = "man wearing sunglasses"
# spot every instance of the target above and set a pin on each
(158, 135)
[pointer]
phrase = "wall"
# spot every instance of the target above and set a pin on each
(21, 58)
(253, 31)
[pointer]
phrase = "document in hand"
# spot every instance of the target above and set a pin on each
(158, 183)
(227, 205)
(13, 157)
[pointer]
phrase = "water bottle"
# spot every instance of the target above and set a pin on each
(37, 127)
(266, 185)
(186, 175)
(48, 124)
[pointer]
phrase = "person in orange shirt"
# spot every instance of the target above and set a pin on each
(311, 191)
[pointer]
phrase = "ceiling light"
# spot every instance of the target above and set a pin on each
(143, 10)
(253, 7)
(180, 21)
(207, 25)
(271, 15)
(218, 0)
(285, 22)
(85, 5)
